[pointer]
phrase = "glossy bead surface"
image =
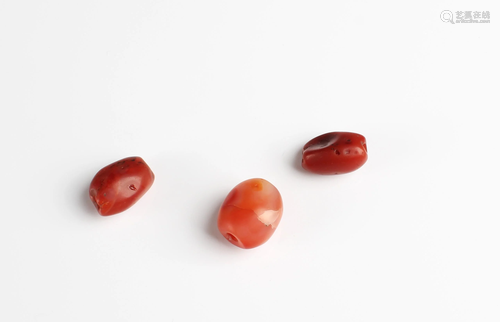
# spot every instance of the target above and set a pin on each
(335, 153)
(120, 185)
(250, 213)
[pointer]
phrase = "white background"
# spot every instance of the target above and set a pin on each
(211, 93)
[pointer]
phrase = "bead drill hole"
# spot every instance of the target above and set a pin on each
(231, 238)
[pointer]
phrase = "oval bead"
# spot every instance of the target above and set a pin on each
(250, 213)
(335, 153)
(118, 186)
